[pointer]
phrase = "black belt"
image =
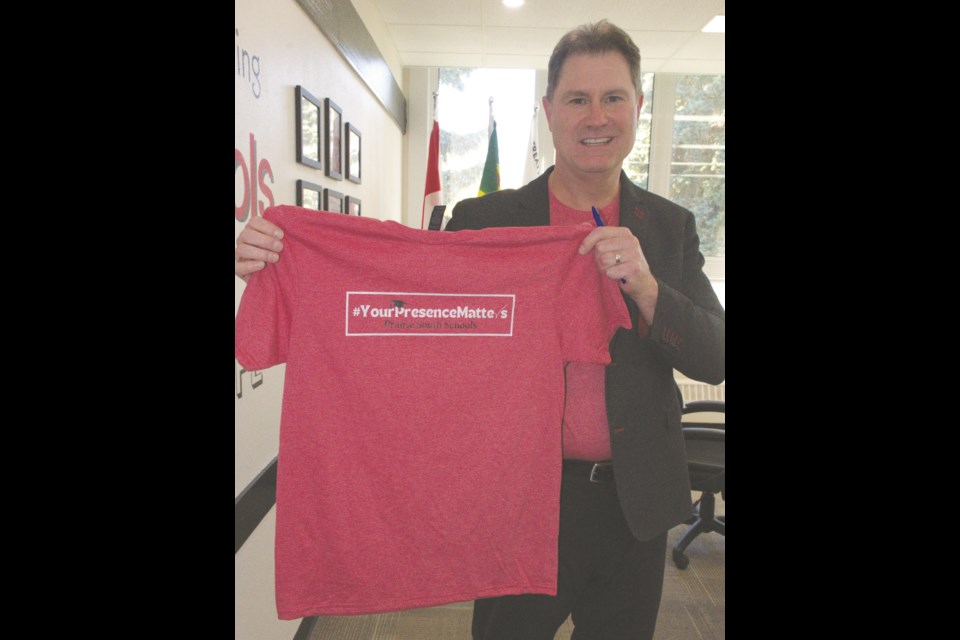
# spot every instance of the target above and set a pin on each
(592, 471)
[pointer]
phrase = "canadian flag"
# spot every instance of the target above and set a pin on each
(432, 192)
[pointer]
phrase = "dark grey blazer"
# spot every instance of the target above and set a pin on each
(643, 408)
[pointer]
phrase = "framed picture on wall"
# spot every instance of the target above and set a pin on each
(332, 201)
(309, 131)
(309, 195)
(353, 153)
(332, 142)
(353, 206)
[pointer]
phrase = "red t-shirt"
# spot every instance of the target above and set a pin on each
(586, 432)
(420, 431)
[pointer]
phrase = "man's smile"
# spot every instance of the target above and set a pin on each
(596, 141)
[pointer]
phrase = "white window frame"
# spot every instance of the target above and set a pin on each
(661, 152)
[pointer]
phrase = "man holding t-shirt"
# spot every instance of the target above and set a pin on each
(625, 481)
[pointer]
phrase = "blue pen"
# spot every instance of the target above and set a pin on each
(599, 221)
(596, 217)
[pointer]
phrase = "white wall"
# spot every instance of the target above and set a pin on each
(419, 83)
(255, 609)
(290, 50)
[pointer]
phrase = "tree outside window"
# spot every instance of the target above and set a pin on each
(698, 166)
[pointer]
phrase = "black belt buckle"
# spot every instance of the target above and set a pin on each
(601, 472)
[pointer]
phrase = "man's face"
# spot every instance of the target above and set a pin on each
(594, 112)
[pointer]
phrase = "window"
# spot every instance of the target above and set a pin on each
(697, 166)
(463, 107)
(637, 164)
(683, 144)
(680, 149)
(679, 152)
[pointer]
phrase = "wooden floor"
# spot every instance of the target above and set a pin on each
(692, 607)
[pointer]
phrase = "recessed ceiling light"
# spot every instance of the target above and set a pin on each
(716, 25)
(513, 4)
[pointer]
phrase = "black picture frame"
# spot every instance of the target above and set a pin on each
(353, 156)
(309, 195)
(333, 141)
(352, 207)
(309, 128)
(332, 201)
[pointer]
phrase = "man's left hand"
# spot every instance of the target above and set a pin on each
(618, 255)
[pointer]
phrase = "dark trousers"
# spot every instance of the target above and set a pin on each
(610, 582)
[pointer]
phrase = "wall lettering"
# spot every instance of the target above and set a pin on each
(253, 175)
(248, 67)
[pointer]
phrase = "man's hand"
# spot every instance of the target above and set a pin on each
(258, 244)
(618, 255)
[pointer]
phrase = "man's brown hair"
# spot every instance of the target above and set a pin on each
(597, 38)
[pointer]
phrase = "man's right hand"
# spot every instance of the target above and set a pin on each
(258, 244)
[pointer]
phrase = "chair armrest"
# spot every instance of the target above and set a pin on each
(704, 425)
(705, 433)
(695, 406)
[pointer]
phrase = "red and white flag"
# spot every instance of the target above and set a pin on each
(432, 191)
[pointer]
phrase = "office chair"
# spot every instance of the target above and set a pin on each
(706, 460)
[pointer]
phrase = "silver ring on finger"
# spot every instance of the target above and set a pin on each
(616, 258)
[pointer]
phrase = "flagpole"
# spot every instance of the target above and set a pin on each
(532, 168)
(490, 122)
(490, 179)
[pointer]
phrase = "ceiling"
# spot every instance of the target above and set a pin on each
(484, 33)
